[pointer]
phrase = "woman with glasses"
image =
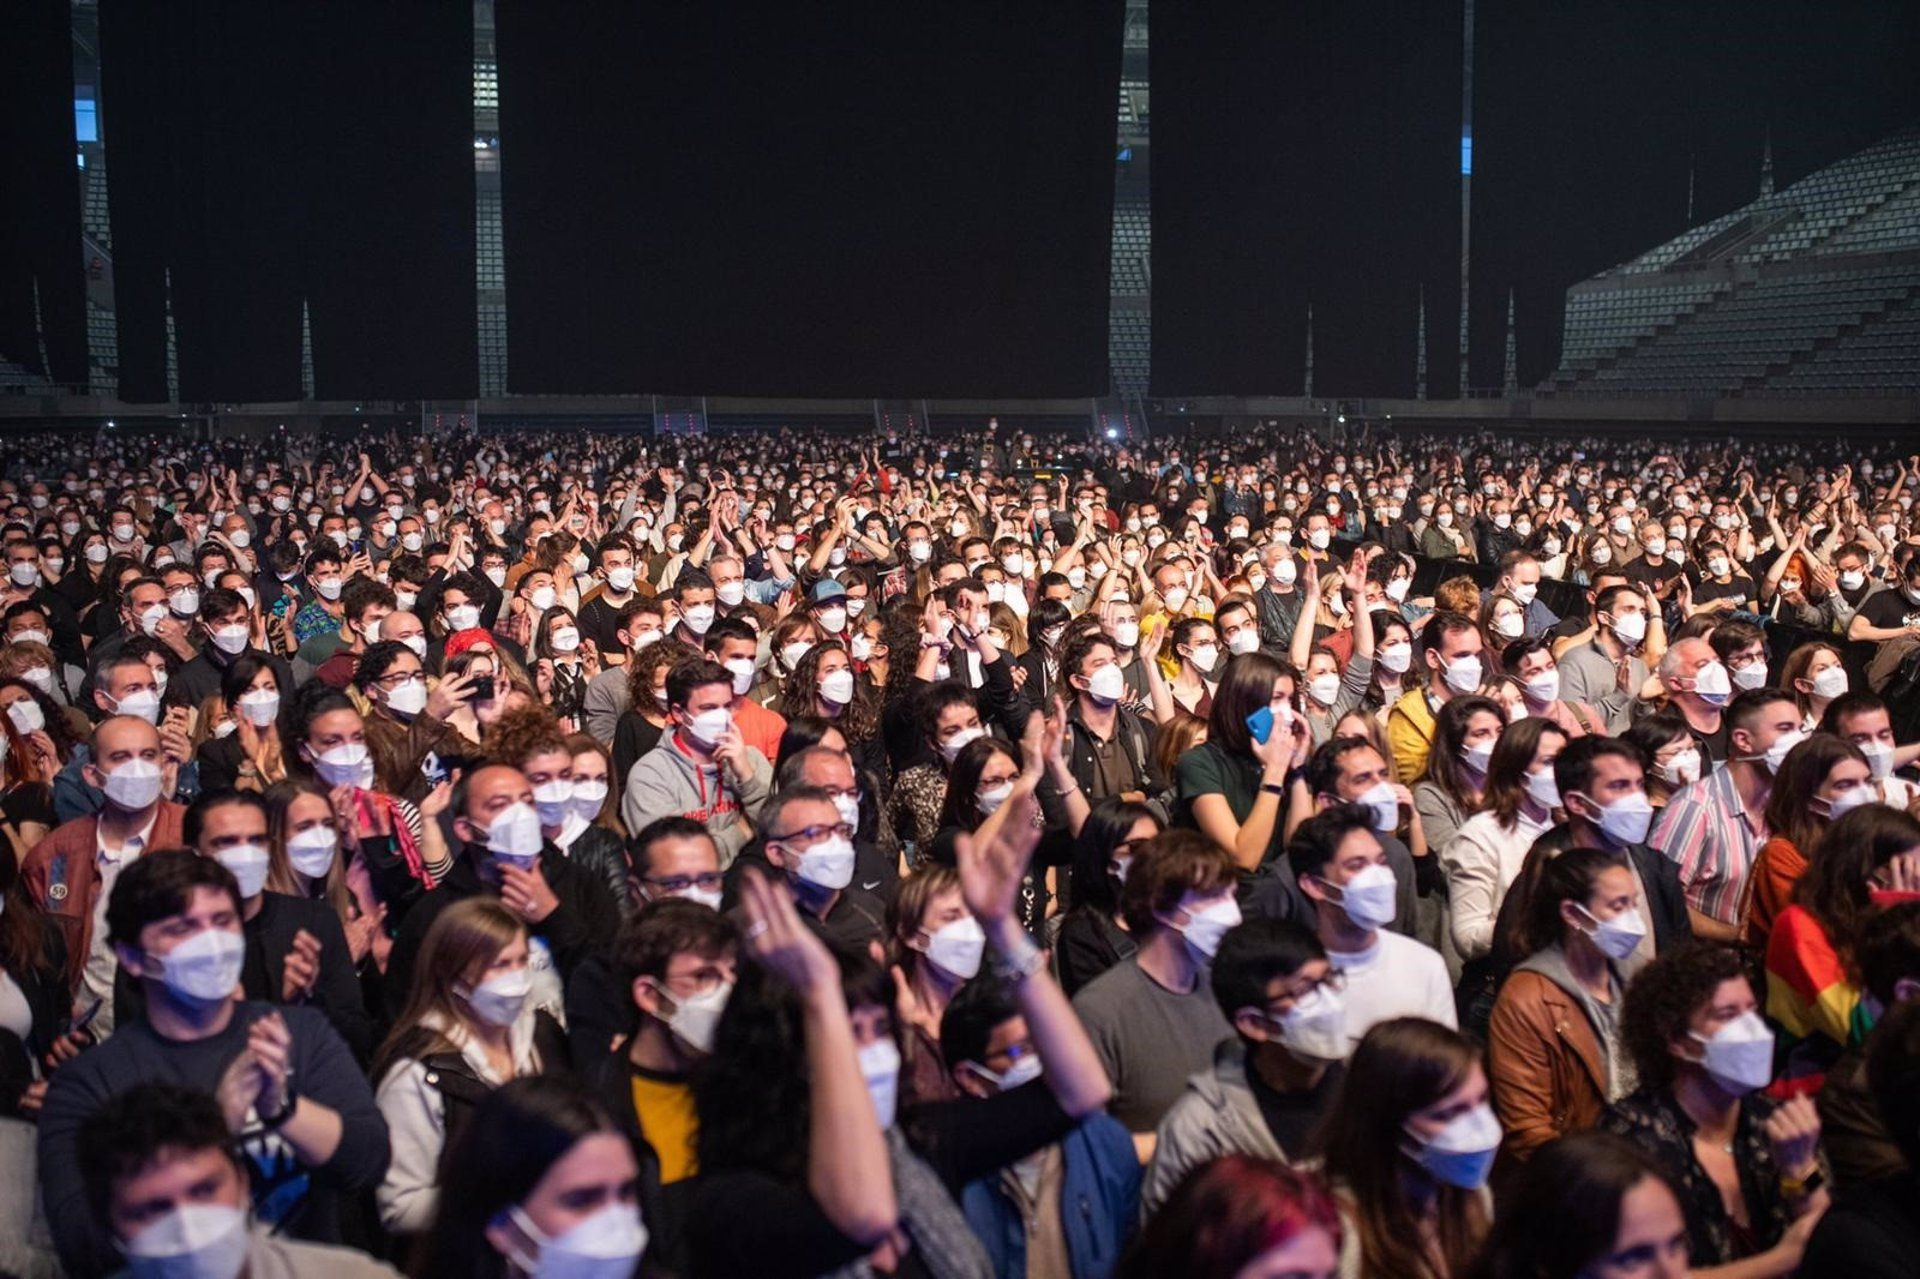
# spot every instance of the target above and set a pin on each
(405, 722)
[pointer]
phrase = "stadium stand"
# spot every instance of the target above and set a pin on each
(1810, 289)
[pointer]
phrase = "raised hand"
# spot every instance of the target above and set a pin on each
(783, 945)
(301, 971)
(1793, 1129)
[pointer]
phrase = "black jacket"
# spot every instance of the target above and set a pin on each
(663, 1208)
(44, 987)
(1138, 740)
(584, 921)
(270, 934)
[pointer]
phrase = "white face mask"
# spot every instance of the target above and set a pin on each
(1463, 674)
(1315, 1028)
(311, 851)
(695, 1018)
(1208, 925)
(1777, 753)
(828, 864)
(1739, 1055)
(553, 801)
(1830, 683)
(133, 786)
(880, 1067)
(1371, 898)
(499, 999)
(956, 948)
(1461, 1154)
(1629, 628)
(1396, 658)
(709, 726)
(991, 797)
(953, 745)
(589, 797)
(514, 835)
(205, 967)
(201, 1240)
(1618, 937)
(409, 697)
(347, 765)
(698, 618)
(248, 864)
(837, 686)
(1627, 819)
(1324, 688)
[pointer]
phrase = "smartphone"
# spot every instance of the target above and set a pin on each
(86, 1018)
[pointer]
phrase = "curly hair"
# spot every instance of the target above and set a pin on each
(1662, 999)
(523, 732)
(858, 722)
(665, 653)
(900, 629)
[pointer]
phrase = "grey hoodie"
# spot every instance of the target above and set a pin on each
(667, 782)
(1216, 1115)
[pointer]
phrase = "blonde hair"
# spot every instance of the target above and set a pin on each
(466, 938)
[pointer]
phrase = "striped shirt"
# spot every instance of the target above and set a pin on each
(1707, 831)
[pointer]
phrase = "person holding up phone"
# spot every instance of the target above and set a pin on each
(1233, 786)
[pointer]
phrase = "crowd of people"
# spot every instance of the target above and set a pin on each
(981, 855)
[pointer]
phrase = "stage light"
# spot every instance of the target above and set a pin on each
(1113, 432)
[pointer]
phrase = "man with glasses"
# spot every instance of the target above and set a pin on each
(1275, 1079)
(809, 842)
(675, 857)
(676, 963)
(875, 870)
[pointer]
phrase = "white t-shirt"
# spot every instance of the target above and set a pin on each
(1396, 977)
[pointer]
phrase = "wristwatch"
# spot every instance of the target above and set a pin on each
(273, 1122)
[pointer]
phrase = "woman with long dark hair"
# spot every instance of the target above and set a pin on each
(823, 684)
(38, 746)
(1237, 1217)
(1553, 1042)
(986, 774)
(784, 1148)
(1484, 856)
(247, 755)
(541, 1178)
(1868, 859)
(1408, 1146)
(1231, 785)
(1592, 1206)
(1454, 787)
(1822, 779)
(1093, 935)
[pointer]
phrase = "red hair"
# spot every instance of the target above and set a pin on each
(1227, 1213)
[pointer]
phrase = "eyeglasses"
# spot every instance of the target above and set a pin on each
(672, 885)
(813, 834)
